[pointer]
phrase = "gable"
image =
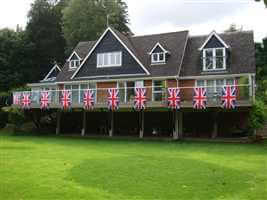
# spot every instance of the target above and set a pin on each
(109, 43)
(52, 74)
(214, 43)
(158, 50)
(74, 57)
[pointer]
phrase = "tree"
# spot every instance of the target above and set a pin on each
(85, 20)
(44, 31)
(15, 59)
(265, 2)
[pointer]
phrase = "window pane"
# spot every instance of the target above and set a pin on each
(219, 62)
(200, 83)
(130, 91)
(230, 82)
(75, 94)
(118, 58)
(158, 85)
(112, 59)
(161, 57)
(209, 63)
(105, 59)
(219, 85)
(219, 52)
(209, 53)
(92, 85)
(67, 87)
(210, 88)
(139, 84)
(155, 57)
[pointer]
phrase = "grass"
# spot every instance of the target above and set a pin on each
(71, 169)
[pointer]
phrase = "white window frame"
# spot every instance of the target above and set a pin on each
(214, 59)
(156, 92)
(109, 59)
(214, 82)
(153, 61)
(73, 64)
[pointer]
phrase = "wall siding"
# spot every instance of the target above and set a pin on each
(110, 44)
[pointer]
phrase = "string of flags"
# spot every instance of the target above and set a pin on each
(228, 99)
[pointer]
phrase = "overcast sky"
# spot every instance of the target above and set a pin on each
(157, 16)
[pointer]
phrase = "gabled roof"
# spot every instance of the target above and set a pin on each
(48, 78)
(240, 60)
(160, 46)
(73, 53)
(213, 33)
(123, 40)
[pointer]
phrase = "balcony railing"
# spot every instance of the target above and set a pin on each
(156, 97)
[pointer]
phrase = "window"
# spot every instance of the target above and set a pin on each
(214, 59)
(214, 87)
(157, 93)
(113, 59)
(74, 64)
(158, 57)
(127, 90)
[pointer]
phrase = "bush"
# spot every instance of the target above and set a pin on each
(16, 117)
(257, 116)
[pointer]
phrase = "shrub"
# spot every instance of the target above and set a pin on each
(257, 116)
(16, 117)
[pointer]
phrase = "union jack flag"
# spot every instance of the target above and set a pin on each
(140, 98)
(88, 100)
(174, 99)
(200, 98)
(66, 99)
(113, 99)
(229, 97)
(16, 99)
(45, 100)
(26, 101)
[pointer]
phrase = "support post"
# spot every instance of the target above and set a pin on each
(59, 114)
(84, 123)
(142, 127)
(180, 125)
(111, 130)
(176, 126)
(215, 126)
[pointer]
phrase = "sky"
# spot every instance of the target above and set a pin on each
(159, 16)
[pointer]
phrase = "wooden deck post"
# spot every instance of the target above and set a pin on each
(84, 123)
(180, 125)
(59, 114)
(111, 130)
(215, 126)
(176, 125)
(142, 121)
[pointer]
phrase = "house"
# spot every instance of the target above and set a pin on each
(155, 62)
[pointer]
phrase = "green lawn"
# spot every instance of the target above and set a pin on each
(71, 169)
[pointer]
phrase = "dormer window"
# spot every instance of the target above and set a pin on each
(158, 57)
(214, 53)
(74, 64)
(74, 61)
(214, 59)
(158, 54)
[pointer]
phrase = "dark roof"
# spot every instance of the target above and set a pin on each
(82, 49)
(184, 53)
(241, 56)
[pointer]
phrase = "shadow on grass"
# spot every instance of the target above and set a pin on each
(151, 177)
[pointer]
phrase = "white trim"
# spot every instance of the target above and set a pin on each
(108, 76)
(50, 72)
(213, 33)
(96, 44)
(214, 76)
(40, 84)
(162, 48)
(75, 64)
(115, 80)
(158, 57)
(74, 52)
(214, 57)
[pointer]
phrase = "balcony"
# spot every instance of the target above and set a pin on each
(156, 97)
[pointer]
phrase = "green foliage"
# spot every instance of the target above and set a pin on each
(258, 115)
(92, 19)
(16, 117)
(264, 1)
(44, 31)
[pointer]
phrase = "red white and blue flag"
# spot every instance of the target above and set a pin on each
(26, 101)
(16, 99)
(88, 100)
(66, 99)
(140, 98)
(229, 97)
(200, 98)
(45, 100)
(174, 99)
(113, 99)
